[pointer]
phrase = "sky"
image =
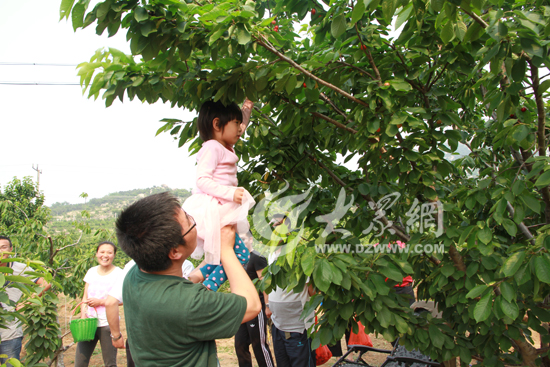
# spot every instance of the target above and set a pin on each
(78, 144)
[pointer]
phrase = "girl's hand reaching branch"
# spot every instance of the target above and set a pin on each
(247, 111)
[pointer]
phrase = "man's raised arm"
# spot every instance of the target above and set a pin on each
(238, 279)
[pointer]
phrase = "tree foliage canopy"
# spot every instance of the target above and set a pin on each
(336, 84)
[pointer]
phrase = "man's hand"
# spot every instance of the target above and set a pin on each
(238, 195)
(227, 238)
(119, 343)
(268, 312)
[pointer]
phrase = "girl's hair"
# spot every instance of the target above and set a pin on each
(210, 110)
(106, 243)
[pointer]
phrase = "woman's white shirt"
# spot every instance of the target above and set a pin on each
(99, 287)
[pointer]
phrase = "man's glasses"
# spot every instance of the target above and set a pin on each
(192, 226)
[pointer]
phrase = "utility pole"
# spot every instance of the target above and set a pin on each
(38, 172)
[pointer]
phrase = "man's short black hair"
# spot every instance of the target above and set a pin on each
(7, 239)
(148, 229)
(210, 110)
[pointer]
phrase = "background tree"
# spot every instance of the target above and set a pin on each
(460, 73)
(61, 259)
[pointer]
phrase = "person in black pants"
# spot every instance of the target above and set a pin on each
(254, 331)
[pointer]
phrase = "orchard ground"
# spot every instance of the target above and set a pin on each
(226, 350)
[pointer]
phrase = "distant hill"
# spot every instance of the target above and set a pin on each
(103, 211)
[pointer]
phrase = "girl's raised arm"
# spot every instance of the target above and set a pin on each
(247, 111)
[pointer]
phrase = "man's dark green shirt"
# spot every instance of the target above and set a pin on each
(172, 322)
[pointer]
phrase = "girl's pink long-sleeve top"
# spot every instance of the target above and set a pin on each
(216, 171)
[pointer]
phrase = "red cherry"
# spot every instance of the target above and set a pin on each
(512, 116)
(305, 85)
(273, 22)
(523, 109)
(313, 11)
(439, 122)
(399, 126)
(378, 130)
(276, 28)
(363, 47)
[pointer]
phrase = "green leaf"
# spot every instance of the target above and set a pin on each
(543, 180)
(411, 156)
(19, 279)
(482, 310)
(216, 35)
(507, 291)
(388, 9)
(436, 336)
(140, 14)
(384, 317)
(291, 84)
(65, 8)
(510, 309)
(477, 291)
(243, 36)
(308, 261)
(338, 26)
(77, 15)
(512, 264)
(465, 234)
(448, 32)
(485, 235)
(542, 269)
(391, 271)
(531, 202)
(518, 70)
(346, 310)
(358, 12)
(448, 270)
(531, 47)
(510, 227)
(543, 87)
(322, 274)
(437, 5)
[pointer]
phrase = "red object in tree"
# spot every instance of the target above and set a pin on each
(276, 29)
(305, 85)
(313, 11)
(361, 338)
(273, 22)
(523, 109)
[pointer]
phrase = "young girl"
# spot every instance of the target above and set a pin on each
(217, 200)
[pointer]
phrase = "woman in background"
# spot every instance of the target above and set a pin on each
(99, 281)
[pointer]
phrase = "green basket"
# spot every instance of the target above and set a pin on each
(83, 329)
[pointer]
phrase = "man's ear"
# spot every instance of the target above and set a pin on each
(216, 124)
(175, 253)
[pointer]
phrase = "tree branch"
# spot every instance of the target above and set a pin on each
(438, 76)
(541, 122)
(369, 56)
(356, 68)
(62, 248)
(476, 18)
(405, 237)
(398, 55)
(457, 259)
(334, 122)
(264, 43)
